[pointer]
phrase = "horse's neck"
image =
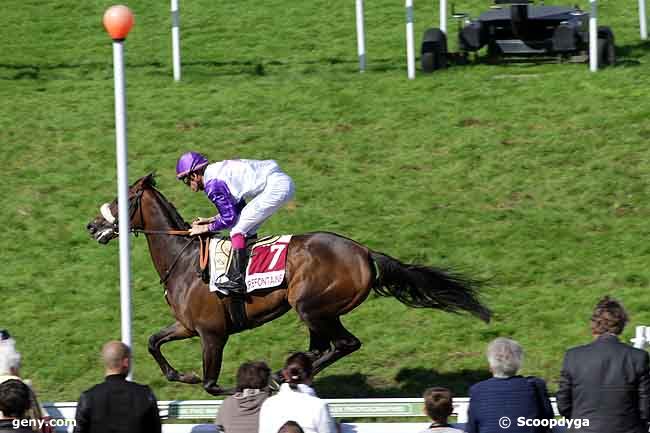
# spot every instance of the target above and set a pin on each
(165, 248)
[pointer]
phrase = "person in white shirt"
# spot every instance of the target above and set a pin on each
(297, 401)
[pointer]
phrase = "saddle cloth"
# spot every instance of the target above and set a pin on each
(266, 265)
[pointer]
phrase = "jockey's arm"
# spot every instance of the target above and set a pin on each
(219, 194)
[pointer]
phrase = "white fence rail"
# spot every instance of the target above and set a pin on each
(206, 410)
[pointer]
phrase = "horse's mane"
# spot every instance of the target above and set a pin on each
(168, 207)
(171, 210)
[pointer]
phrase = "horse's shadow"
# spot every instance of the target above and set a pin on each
(411, 382)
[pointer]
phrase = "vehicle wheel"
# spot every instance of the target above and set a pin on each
(606, 47)
(493, 53)
(434, 50)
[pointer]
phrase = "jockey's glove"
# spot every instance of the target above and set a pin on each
(198, 229)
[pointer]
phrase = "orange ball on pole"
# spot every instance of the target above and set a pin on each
(118, 21)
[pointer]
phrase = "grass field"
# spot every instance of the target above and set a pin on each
(532, 176)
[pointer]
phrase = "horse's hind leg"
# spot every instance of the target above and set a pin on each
(165, 335)
(318, 346)
(343, 342)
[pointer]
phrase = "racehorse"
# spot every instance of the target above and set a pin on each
(327, 276)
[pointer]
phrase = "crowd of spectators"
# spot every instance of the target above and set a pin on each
(605, 383)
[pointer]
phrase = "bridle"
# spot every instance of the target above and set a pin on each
(135, 206)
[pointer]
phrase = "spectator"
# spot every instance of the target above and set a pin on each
(116, 405)
(296, 401)
(10, 361)
(507, 394)
(606, 381)
(438, 406)
(15, 401)
(291, 427)
(240, 412)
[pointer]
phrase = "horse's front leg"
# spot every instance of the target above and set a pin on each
(165, 335)
(213, 345)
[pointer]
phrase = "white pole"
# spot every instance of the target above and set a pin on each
(593, 37)
(361, 37)
(443, 16)
(122, 193)
(176, 40)
(642, 20)
(410, 45)
(639, 337)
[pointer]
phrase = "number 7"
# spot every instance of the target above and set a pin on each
(277, 250)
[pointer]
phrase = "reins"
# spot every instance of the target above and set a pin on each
(169, 270)
(161, 232)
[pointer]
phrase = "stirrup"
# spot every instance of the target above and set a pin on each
(236, 286)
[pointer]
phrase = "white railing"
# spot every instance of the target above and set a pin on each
(641, 337)
(206, 410)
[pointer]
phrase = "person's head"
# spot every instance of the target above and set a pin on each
(190, 167)
(9, 358)
(253, 375)
(297, 369)
(291, 427)
(15, 398)
(609, 317)
(438, 403)
(116, 357)
(505, 357)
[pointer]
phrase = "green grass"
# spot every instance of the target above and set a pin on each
(533, 176)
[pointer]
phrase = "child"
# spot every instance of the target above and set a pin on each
(438, 406)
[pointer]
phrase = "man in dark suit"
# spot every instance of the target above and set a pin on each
(117, 405)
(606, 382)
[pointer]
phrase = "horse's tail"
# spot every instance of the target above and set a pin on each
(427, 287)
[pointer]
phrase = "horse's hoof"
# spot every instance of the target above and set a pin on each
(213, 388)
(173, 376)
(274, 382)
(190, 378)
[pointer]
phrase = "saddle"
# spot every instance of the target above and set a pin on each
(266, 262)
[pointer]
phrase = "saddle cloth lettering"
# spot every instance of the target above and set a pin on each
(266, 266)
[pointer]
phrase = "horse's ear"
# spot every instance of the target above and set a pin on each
(149, 180)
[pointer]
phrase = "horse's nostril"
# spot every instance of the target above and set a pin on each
(90, 227)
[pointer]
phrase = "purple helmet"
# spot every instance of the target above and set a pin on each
(188, 163)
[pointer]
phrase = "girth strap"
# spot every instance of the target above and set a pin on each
(237, 313)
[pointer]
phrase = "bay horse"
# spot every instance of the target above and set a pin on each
(327, 275)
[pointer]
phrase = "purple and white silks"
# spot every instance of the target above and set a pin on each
(229, 209)
(229, 183)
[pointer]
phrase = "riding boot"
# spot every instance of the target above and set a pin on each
(236, 274)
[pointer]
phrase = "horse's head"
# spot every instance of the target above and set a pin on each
(104, 226)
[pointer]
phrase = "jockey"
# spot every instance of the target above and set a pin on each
(228, 184)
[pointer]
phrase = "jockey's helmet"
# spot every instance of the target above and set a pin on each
(188, 163)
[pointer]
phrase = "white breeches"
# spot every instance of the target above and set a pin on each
(279, 190)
